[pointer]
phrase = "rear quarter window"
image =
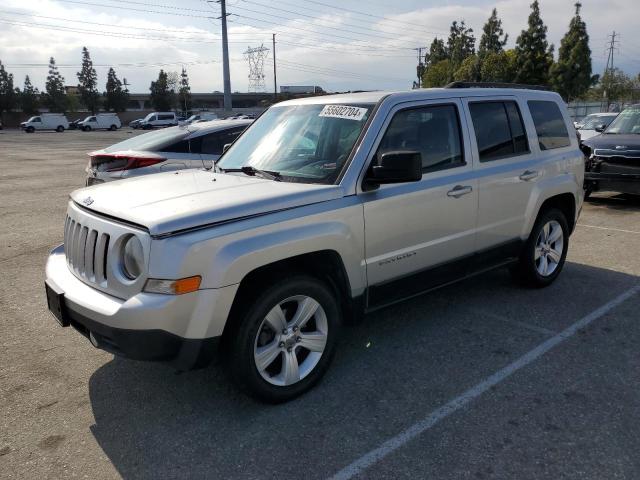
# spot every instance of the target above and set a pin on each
(550, 127)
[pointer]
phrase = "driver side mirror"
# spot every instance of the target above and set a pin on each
(394, 167)
(600, 128)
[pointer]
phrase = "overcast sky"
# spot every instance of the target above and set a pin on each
(337, 44)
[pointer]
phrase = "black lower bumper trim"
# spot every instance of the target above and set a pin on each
(153, 345)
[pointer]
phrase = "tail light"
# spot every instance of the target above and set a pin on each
(115, 162)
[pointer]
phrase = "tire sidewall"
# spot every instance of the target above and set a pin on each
(243, 368)
(529, 255)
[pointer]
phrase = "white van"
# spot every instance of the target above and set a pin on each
(159, 119)
(46, 121)
(106, 121)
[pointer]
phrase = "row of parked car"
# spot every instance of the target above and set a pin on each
(170, 119)
(110, 121)
(59, 123)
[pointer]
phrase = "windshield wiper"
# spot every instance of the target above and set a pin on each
(252, 171)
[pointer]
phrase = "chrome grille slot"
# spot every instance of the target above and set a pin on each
(100, 257)
(86, 251)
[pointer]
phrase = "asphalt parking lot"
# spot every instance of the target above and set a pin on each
(482, 379)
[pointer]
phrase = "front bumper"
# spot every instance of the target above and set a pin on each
(180, 329)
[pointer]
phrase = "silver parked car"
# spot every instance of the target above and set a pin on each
(324, 209)
(169, 149)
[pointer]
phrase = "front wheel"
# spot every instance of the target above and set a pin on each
(30, 130)
(545, 251)
(284, 339)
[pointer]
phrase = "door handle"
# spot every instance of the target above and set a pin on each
(459, 190)
(528, 175)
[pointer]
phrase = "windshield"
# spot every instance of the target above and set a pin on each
(303, 143)
(193, 117)
(628, 122)
(88, 119)
(593, 121)
(152, 141)
(149, 117)
(34, 119)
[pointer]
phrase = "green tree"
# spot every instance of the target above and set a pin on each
(115, 97)
(615, 85)
(56, 97)
(184, 93)
(571, 75)
(30, 97)
(88, 83)
(162, 95)
(493, 37)
(460, 44)
(8, 93)
(534, 56)
(438, 74)
(468, 71)
(437, 52)
(498, 67)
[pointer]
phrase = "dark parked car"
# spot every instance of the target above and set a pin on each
(74, 125)
(613, 158)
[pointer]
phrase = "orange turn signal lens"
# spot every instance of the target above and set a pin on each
(173, 287)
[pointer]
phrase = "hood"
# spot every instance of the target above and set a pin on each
(173, 201)
(619, 143)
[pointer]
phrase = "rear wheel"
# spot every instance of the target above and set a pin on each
(113, 128)
(60, 129)
(284, 340)
(545, 251)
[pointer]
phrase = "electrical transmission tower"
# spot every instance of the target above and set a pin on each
(611, 46)
(256, 57)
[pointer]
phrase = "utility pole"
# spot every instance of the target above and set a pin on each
(609, 69)
(225, 56)
(275, 81)
(420, 67)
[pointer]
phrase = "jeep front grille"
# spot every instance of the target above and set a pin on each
(86, 251)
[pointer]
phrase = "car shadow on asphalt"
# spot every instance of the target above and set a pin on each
(399, 364)
(619, 201)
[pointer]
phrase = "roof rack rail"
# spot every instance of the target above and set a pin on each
(494, 85)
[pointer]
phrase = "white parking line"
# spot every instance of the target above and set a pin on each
(608, 228)
(394, 443)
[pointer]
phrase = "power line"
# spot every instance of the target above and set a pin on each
(363, 13)
(420, 31)
(373, 34)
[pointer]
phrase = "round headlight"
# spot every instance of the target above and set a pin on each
(132, 258)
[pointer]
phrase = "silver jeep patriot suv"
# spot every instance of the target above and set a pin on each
(323, 209)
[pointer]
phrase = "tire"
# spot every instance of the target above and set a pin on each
(542, 271)
(30, 130)
(86, 128)
(266, 326)
(113, 128)
(60, 129)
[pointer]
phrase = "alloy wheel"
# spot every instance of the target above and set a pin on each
(549, 248)
(290, 340)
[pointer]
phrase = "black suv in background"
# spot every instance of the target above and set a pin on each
(613, 158)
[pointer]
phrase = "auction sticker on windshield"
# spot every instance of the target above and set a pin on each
(343, 111)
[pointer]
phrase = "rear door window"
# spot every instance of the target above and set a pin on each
(213, 143)
(165, 117)
(550, 127)
(499, 130)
